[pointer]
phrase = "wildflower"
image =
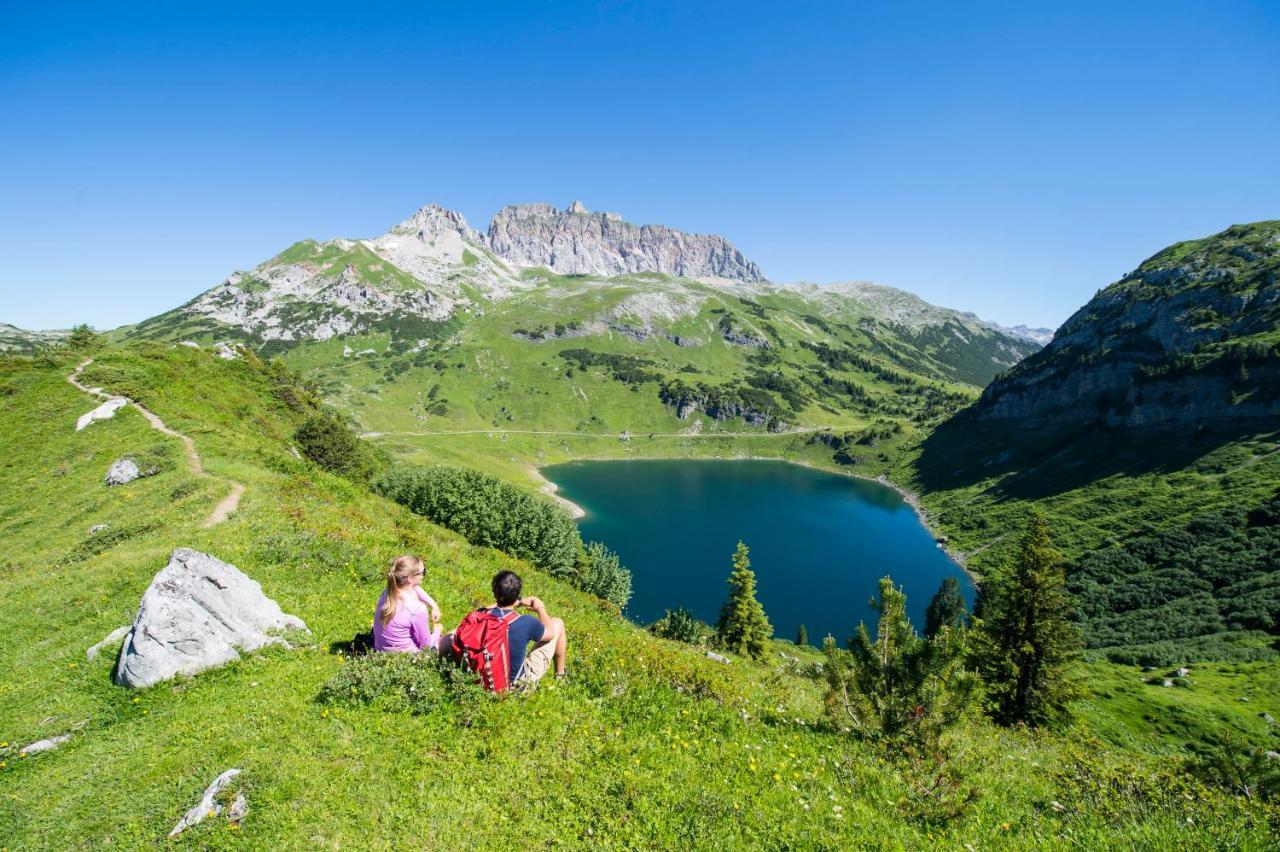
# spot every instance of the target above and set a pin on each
(1004, 826)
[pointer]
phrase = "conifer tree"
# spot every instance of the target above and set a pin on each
(802, 636)
(946, 609)
(83, 337)
(898, 685)
(743, 627)
(1027, 638)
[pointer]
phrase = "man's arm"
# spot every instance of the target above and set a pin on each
(540, 610)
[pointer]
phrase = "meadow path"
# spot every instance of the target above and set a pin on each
(228, 504)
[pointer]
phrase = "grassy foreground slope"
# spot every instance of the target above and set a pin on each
(650, 745)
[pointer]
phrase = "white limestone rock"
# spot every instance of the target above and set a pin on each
(199, 613)
(105, 411)
(126, 470)
(577, 242)
(44, 745)
(110, 639)
(209, 806)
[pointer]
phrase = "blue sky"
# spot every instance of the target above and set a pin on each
(1005, 158)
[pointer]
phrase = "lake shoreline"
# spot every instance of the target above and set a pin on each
(912, 500)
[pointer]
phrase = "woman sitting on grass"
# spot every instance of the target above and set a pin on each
(400, 621)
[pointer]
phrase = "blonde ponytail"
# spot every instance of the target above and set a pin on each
(402, 568)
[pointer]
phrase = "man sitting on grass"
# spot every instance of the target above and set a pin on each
(547, 633)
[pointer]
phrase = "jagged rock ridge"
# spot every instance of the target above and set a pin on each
(576, 241)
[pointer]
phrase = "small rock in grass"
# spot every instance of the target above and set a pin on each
(1267, 717)
(97, 528)
(45, 745)
(126, 470)
(209, 806)
(1167, 682)
(111, 638)
(719, 658)
(1182, 672)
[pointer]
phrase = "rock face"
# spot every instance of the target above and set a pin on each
(198, 613)
(1181, 342)
(577, 242)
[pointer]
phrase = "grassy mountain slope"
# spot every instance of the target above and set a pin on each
(1153, 412)
(649, 745)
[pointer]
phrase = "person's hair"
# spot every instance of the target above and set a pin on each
(402, 568)
(506, 587)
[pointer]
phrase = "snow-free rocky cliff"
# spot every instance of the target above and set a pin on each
(433, 270)
(1187, 340)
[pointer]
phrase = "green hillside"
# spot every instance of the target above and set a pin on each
(1148, 432)
(649, 745)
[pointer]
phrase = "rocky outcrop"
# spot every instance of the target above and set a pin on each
(105, 411)
(210, 804)
(198, 613)
(126, 470)
(1179, 343)
(576, 241)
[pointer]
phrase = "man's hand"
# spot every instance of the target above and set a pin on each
(533, 603)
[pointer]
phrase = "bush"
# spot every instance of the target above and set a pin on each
(395, 682)
(679, 624)
(488, 512)
(330, 443)
(601, 574)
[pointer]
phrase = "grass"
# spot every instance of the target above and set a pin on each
(649, 745)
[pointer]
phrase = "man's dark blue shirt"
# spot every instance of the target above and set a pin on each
(520, 633)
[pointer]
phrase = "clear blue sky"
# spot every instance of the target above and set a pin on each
(1006, 158)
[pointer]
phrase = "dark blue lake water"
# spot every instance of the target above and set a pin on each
(819, 542)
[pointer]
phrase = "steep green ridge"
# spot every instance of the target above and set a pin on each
(649, 745)
(1147, 430)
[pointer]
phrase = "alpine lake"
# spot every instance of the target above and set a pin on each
(819, 542)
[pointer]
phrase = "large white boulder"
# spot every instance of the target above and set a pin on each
(198, 613)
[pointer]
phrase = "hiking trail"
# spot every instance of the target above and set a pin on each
(225, 506)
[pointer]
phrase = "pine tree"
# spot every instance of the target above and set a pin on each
(83, 337)
(802, 636)
(1028, 640)
(898, 685)
(743, 627)
(946, 609)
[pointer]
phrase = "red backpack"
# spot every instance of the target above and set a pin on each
(481, 642)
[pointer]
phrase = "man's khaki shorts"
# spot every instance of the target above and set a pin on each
(536, 663)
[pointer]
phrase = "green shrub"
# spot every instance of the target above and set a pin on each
(396, 682)
(601, 574)
(330, 443)
(681, 625)
(488, 512)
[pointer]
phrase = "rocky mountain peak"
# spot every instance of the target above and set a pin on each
(433, 221)
(576, 241)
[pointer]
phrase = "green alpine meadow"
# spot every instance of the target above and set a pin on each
(1112, 493)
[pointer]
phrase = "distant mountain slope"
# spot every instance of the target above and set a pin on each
(1191, 338)
(432, 274)
(14, 339)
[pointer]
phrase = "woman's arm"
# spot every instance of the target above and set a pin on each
(427, 599)
(419, 631)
